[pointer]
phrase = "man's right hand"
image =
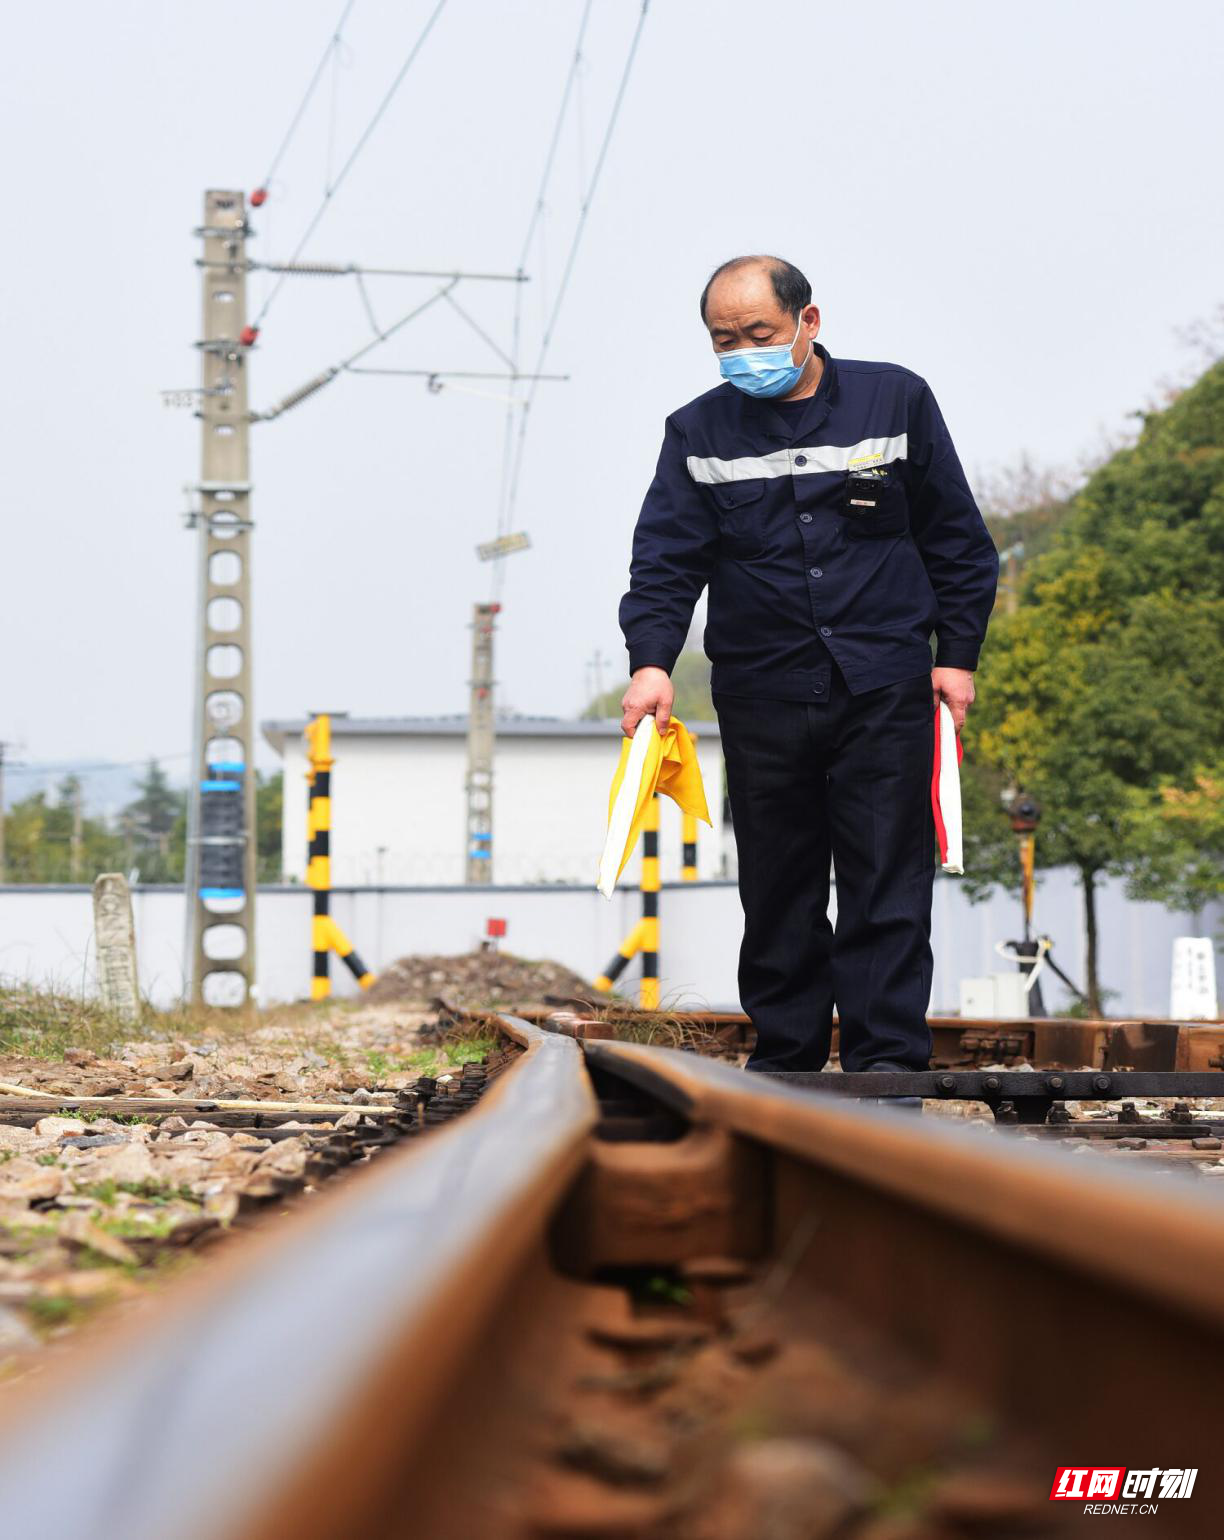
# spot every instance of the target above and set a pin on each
(650, 693)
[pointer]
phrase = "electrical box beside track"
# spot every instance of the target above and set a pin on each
(995, 997)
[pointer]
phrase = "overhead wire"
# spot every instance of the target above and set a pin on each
(549, 160)
(331, 52)
(326, 376)
(580, 133)
(584, 211)
(391, 330)
(346, 269)
(513, 448)
(363, 139)
(567, 271)
(480, 331)
(384, 334)
(537, 213)
(451, 374)
(369, 308)
(333, 114)
(64, 771)
(333, 45)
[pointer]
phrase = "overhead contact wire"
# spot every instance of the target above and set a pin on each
(355, 153)
(332, 46)
(504, 509)
(568, 269)
(326, 376)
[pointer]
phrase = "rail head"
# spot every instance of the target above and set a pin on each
(1082, 1210)
(523, 1033)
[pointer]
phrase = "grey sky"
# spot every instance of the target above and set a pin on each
(1021, 203)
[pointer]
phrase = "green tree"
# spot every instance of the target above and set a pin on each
(1100, 695)
(153, 825)
(1180, 835)
(269, 811)
(39, 837)
(992, 856)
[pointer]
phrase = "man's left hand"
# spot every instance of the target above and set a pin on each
(955, 686)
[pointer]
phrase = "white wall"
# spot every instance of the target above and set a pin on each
(46, 936)
(550, 809)
(404, 795)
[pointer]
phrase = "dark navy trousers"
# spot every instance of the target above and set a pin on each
(847, 778)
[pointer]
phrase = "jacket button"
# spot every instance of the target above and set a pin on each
(818, 689)
(805, 518)
(816, 571)
(801, 459)
(826, 630)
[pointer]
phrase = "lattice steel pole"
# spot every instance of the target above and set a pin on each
(478, 861)
(220, 882)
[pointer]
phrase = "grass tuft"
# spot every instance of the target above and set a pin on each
(657, 1029)
(48, 1311)
(43, 1024)
(451, 1054)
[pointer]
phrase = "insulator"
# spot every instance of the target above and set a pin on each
(313, 269)
(259, 197)
(300, 394)
(248, 335)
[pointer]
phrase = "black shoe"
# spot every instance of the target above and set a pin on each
(753, 1067)
(903, 1103)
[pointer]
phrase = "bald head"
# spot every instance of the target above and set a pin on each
(760, 302)
(757, 280)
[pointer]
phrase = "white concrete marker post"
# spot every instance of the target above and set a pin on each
(115, 939)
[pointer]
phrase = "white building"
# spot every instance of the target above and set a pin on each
(399, 810)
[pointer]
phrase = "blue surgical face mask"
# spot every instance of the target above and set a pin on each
(767, 371)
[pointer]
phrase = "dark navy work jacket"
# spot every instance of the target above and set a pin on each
(836, 530)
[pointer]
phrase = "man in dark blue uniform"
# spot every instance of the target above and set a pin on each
(823, 504)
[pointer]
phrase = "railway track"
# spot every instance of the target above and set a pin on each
(635, 1292)
(958, 1042)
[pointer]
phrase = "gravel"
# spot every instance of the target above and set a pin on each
(479, 979)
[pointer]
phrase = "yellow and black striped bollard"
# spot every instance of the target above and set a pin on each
(318, 864)
(324, 932)
(347, 953)
(688, 833)
(650, 906)
(625, 953)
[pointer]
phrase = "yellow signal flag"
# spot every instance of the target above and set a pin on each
(649, 762)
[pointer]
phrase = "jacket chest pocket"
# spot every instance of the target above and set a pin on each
(739, 516)
(875, 507)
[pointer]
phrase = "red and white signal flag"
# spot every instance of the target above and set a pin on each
(946, 793)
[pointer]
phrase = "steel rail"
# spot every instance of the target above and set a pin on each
(964, 1042)
(325, 1377)
(1083, 1212)
(1085, 1302)
(272, 1394)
